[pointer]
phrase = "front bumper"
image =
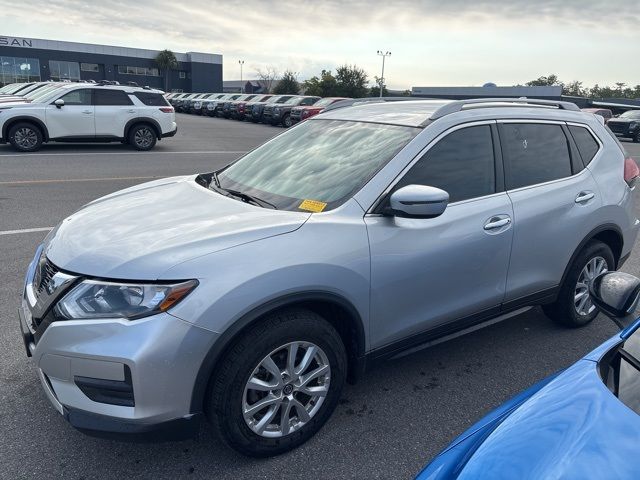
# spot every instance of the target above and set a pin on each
(159, 355)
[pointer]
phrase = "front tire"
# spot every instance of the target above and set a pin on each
(574, 307)
(636, 136)
(142, 137)
(286, 121)
(278, 384)
(25, 137)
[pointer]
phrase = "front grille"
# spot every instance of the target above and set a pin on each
(618, 127)
(44, 273)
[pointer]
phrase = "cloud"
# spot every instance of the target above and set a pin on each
(306, 36)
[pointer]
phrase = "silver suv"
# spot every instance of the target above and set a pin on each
(251, 294)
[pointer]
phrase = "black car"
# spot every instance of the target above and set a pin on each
(626, 125)
(253, 111)
(215, 106)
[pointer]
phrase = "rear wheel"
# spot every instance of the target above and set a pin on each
(574, 307)
(278, 384)
(25, 137)
(142, 137)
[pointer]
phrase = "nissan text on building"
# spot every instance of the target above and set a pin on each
(32, 59)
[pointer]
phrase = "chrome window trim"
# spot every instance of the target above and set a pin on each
(420, 154)
(556, 180)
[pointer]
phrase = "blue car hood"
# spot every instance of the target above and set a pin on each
(141, 232)
(572, 428)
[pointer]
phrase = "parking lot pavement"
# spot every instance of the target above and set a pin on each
(387, 426)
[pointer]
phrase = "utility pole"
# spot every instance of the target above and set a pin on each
(241, 63)
(384, 55)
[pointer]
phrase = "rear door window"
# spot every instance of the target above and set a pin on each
(111, 97)
(587, 145)
(534, 153)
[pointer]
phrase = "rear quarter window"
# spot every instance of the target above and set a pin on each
(151, 99)
(587, 145)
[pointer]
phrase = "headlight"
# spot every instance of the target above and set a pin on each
(93, 299)
(633, 125)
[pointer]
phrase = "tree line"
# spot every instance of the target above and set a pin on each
(348, 81)
(577, 88)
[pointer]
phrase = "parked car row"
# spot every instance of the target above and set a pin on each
(284, 110)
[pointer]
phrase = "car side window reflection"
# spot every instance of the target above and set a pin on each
(78, 97)
(462, 164)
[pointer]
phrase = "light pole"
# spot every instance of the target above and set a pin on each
(384, 55)
(241, 63)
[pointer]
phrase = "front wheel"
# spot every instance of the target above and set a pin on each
(636, 136)
(286, 121)
(278, 384)
(142, 137)
(25, 137)
(574, 306)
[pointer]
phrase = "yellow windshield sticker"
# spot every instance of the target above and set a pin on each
(312, 206)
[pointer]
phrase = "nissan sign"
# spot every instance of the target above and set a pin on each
(15, 42)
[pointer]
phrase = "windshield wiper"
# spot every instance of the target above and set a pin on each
(244, 196)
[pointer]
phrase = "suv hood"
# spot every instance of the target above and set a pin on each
(141, 232)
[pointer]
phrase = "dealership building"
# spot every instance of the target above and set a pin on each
(32, 59)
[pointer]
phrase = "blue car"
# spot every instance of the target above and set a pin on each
(582, 423)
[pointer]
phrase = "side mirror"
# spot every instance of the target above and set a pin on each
(59, 103)
(616, 294)
(418, 201)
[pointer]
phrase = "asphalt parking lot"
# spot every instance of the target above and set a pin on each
(387, 426)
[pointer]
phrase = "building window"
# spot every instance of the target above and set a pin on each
(18, 69)
(182, 74)
(59, 70)
(89, 67)
(127, 70)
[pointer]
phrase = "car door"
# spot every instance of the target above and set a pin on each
(427, 273)
(75, 118)
(114, 109)
(553, 198)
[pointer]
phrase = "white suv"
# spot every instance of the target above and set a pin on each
(89, 113)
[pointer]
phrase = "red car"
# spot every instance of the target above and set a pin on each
(302, 113)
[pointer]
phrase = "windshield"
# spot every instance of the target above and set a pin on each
(320, 163)
(42, 92)
(634, 114)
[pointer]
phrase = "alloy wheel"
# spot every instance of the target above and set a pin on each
(581, 297)
(286, 389)
(26, 138)
(143, 137)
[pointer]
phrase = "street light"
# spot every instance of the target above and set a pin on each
(384, 55)
(241, 63)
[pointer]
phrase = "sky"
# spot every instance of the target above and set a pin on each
(432, 42)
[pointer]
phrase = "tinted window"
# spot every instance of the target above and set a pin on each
(112, 97)
(78, 97)
(534, 153)
(151, 99)
(587, 145)
(308, 101)
(462, 164)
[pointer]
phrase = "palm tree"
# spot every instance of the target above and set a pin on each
(166, 61)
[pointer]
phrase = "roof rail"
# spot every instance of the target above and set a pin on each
(361, 101)
(457, 106)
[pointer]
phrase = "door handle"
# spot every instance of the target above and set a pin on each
(131, 111)
(88, 112)
(497, 222)
(584, 197)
